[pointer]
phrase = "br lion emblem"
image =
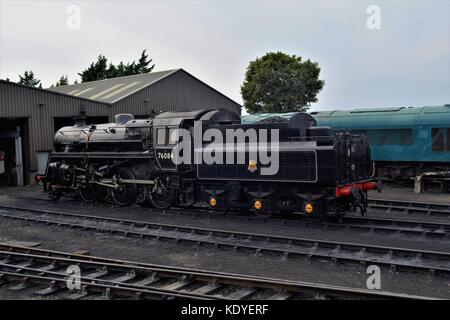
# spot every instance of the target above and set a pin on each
(252, 166)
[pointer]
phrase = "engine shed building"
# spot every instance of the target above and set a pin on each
(29, 117)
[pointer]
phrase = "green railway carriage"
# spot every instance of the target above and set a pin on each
(404, 141)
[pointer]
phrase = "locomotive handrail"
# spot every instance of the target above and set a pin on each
(311, 137)
(103, 129)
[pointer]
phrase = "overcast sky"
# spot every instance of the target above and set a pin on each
(406, 62)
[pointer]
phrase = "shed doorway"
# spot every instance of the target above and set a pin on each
(12, 154)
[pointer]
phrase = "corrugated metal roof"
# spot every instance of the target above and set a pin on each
(115, 89)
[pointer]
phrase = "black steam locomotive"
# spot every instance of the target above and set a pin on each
(313, 171)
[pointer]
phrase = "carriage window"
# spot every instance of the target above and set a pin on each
(161, 136)
(448, 139)
(387, 136)
(440, 139)
(173, 136)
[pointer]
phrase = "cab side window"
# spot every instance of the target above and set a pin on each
(161, 136)
(173, 136)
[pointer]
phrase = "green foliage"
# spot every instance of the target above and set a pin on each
(96, 71)
(143, 64)
(28, 79)
(100, 69)
(278, 82)
(63, 81)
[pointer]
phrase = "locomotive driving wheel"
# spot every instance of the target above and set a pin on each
(161, 194)
(88, 194)
(53, 193)
(123, 194)
(87, 191)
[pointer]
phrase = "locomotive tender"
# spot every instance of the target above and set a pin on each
(129, 161)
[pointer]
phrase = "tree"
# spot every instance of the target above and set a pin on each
(130, 69)
(96, 71)
(278, 82)
(63, 81)
(28, 79)
(121, 70)
(142, 65)
(112, 71)
(100, 69)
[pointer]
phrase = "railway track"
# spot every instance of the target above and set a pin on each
(396, 259)
(45, 273)
(408, 207)
(373, 225)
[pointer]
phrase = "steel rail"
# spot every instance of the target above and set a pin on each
(259, 244)
(108, 291)
(385, 226)
(408, 207)
(166, 281)
(388, 205)
(52, 253)
(428, 229)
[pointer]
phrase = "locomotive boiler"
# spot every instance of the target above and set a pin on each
(210, 157)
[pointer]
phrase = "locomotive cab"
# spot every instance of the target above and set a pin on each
(166, 128)
(180, 174)
(166, 135)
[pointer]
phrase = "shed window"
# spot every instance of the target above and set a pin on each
(440, 139)
(387, 136)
